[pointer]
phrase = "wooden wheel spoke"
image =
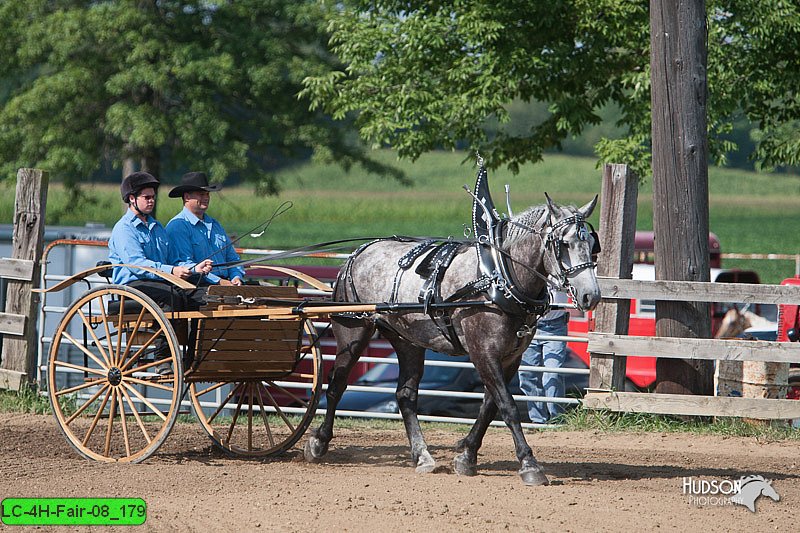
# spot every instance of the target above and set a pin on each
(85, 350)
(110, 428)
(224, 402)
(144, 400)
(124, 423)
(97, 417)
(97, 371)
(235, 416)
(88, 326)
(108, 332)
(289, 393)
(212, 388)
(146, 366)
(264, 416)
(149, 383)
(130, 334)
(86, 404)
(118, 351)
(81, 387)
(277, 407)
(141, 350)
(250, 417)
(136, 414)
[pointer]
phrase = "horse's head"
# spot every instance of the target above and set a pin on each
(733, 323)
(571, 244)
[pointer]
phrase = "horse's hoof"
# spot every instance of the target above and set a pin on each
(464, 467)
(533, 476)
(425, 463)
(314, 450)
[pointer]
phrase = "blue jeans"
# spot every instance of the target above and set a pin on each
(551, 354)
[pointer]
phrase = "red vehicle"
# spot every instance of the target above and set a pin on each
(789, 331)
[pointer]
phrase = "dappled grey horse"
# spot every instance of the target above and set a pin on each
(489, 312)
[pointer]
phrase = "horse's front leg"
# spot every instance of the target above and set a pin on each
(350, 343)
(412, 365)
(498, 397)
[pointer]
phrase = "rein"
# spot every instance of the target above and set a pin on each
(303, 251)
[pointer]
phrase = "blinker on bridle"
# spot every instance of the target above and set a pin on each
(555, 244)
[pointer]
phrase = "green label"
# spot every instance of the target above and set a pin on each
(73, 512)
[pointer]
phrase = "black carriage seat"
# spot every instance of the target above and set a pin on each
(107, 272)
(246, 347)
(113, 305)
(131, 307)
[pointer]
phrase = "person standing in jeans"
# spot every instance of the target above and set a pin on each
(550, 354)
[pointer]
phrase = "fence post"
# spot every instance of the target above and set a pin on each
(619, 194)
(29, 211)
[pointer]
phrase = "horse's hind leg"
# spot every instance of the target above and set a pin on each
(350, 342)
(466, 463)
(411, 360)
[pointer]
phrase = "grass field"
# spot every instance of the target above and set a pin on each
(750, 212)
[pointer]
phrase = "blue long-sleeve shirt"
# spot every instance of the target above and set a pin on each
(138, 243)
(194, 239)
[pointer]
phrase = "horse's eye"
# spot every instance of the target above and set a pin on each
(583, 234)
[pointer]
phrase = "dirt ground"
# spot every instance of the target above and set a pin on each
(599, 482)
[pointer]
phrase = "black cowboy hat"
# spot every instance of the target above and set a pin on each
(135, 182)
(193, 181)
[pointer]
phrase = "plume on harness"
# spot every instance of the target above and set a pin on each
(495, 278)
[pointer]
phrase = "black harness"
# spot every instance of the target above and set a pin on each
(495, 277)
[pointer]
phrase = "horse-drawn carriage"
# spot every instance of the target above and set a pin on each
(254, 371)
(118, 378)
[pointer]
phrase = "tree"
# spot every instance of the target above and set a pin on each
(423, 75)
(163, 85)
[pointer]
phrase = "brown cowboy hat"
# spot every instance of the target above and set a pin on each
(193, 181)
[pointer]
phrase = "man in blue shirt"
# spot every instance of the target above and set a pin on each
(196, 236)
(139, 239)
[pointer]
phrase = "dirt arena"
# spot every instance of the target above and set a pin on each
(600, 482)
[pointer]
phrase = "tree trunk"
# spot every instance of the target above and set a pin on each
(680, 180)
(151, 162)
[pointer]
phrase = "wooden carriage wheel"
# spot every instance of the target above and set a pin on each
(261, 417)
(115, 376)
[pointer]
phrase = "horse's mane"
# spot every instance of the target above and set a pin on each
(530, 218)
(748, 479)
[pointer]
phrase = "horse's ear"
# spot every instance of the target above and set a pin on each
(586, 210)
(551, 205)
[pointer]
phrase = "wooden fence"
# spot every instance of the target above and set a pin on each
(18, 323)
(611, 345)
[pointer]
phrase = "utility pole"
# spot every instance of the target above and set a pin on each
(678, 61)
